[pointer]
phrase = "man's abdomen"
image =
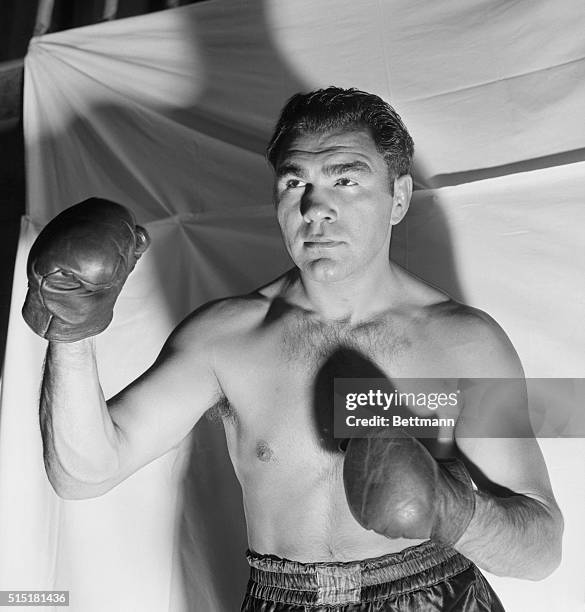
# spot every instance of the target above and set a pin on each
(299, 512)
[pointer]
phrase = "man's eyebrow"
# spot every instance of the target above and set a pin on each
(342, 168)
(287, 168)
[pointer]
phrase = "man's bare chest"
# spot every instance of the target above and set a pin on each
(285, 376)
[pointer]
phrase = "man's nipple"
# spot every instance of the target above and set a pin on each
(264, 452)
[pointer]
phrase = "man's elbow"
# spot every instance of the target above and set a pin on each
(545, 566)
(70, 487)
(77, 491)
(536, 568)
(548, 558)
(545, 572)
(552, 555)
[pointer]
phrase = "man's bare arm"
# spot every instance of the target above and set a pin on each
(90, 445)
(76, 269)
(516, 529)
(517, 536)
(79, 437)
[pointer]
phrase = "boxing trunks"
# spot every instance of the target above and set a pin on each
(424, 577)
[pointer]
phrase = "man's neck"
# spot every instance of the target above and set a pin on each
(354, 299)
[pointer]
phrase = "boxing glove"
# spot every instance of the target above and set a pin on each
(396, 488)
(77, 267)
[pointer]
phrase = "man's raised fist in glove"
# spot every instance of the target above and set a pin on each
(396, 488)
(77, 267)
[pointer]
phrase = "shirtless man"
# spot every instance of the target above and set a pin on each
(342, 180)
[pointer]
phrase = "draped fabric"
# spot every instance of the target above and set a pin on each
(169, 114)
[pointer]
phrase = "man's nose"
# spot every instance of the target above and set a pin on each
(317, 206)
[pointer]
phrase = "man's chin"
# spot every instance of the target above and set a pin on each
(324, 271)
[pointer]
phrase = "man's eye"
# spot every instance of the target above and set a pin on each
(345, 182)
(293, 183)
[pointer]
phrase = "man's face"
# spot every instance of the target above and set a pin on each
(333, 203)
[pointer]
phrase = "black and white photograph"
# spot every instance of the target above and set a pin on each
(292, 305)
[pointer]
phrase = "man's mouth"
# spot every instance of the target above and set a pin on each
(321, 244)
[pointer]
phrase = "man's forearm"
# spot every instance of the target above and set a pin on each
(79, 437)
(515, 536)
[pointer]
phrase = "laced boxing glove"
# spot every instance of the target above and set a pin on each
(396, 488)
(77, 267)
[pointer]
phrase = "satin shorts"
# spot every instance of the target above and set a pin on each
(420, 578)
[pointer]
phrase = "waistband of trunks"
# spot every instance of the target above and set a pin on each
(411, 568)
(377, 570)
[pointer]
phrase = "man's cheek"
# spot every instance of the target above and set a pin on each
(289, 226)
(283, 214)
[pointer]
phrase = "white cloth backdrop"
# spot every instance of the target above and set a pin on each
(168, 114)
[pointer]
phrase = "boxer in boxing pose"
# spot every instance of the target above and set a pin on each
(375, 524)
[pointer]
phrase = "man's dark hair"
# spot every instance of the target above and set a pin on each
(333, 108)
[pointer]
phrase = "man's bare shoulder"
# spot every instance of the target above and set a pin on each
(470, 339)
(220, 319)
(226, 318)
(475, 341)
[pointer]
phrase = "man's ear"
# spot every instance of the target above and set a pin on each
(401, 198)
